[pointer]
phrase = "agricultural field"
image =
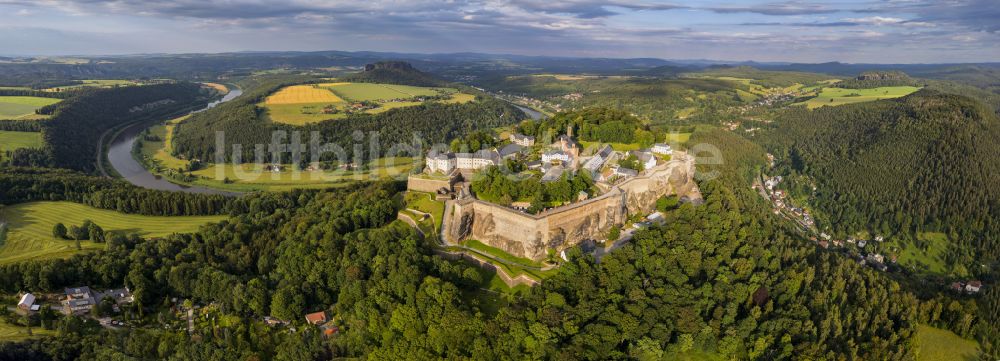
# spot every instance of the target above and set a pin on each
(15, 140)
(841, 96)
(20, 107)
(304, 104)
(302, 94)
(936, 344)
(29, 235)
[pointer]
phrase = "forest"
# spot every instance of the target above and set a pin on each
(899, 168)
(592, 124)
(73, 133)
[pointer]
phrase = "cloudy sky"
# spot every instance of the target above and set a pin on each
(886, 31)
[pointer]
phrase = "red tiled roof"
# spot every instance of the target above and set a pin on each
(317, 317)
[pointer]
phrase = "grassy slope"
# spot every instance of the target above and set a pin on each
(425, 202)
(839, 96)
(16, 107)
(939, 345)
(16, 333)
(30, 235)
(15, 140)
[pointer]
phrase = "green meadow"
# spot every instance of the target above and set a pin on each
(841, 96)
(936, 344)
(20, 107)
(375, 92)
(29, 235)
(14, 140)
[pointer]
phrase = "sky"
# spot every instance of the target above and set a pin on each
(857, 31)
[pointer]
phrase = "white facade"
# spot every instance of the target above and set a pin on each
(522, 140)
(555, 155)
(660, 148)
(443, 163)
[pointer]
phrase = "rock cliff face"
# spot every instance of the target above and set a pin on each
(531, 236)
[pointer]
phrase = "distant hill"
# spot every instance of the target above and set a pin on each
(875, 79)
(926, 162)
(393, 72)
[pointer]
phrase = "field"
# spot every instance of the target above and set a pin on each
(939, 345)
(15, 140)
(840, 96)
(375, 92)
(18, 107)
(30, 235)
(302, 94)
(677, 138)
(304, 104)
(218, 87)
(16, 333)
(930, 260)
(621, 147)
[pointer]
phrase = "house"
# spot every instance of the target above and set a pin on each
(957, 286)
(862, 243)
(440, 162)
(522, 140)
(271, 321)
(876, 258)
(511, 150)
(27, 303)
(79, 300)
(838, 243)
(595, 163)
(647, 159)
(973, 286)
(478, 160)
(329, 331)
(824, 244)
(317, 318)
(520, 205)
(660, 148)
(624, 172)
(554, 155)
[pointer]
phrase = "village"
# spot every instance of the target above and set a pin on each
(867, 252)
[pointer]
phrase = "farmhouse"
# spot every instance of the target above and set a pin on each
(316, 318)
(27, 303)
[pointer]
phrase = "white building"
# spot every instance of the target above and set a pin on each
(478, 160)
(441, 162)
(522, 140)
(27, 302)
(555, 155)
(597, 161)
(647, 159)
(661, 148)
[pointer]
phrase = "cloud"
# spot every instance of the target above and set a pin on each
(778, 9)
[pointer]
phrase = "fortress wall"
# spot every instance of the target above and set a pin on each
(530, 236)
(428, 185)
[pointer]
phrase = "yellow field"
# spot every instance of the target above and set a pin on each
(16, 333)
(302, 94)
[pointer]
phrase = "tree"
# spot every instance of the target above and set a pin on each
(59, 231)
(78, 233)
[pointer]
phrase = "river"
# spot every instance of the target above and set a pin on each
(120, 157)
(533, 114)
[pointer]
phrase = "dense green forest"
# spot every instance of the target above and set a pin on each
(592, 124)
(661, 101)
(19, 185)
(925, 162)
(73, 133)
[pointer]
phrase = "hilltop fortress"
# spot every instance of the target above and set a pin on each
(534, 235)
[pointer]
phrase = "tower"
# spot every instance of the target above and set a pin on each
(569, 130)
